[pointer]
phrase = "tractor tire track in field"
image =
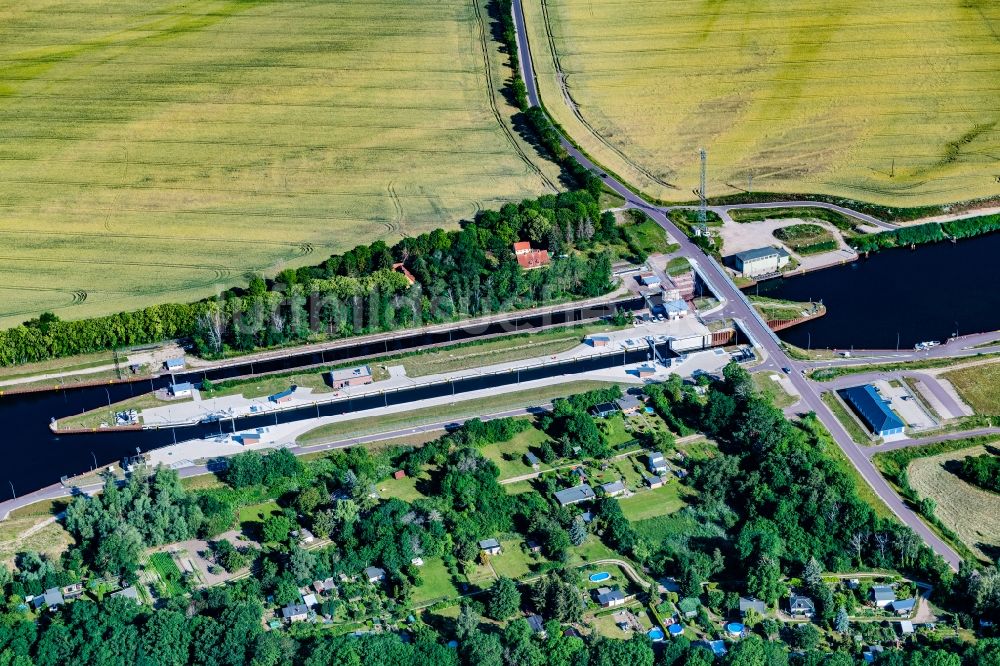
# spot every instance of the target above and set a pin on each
(484, 46)
(571, 103)
(118, 194)
(167, 237)
(77, 297)
(396, 224)
(111, 262)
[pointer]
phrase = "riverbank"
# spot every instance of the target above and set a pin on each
(895, 300)
(928, 232)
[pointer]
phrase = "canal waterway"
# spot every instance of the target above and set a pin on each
(903, 295)
(34, 457)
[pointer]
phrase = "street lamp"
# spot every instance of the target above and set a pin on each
(95, 459)
(12, 488)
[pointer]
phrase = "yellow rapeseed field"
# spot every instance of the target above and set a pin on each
(157, 151)
(893, 103)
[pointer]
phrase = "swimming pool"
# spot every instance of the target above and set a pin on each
(599, 577)
(735, 628)
(655, 634)
(675, 629)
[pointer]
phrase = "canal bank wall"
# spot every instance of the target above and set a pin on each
(339, 403)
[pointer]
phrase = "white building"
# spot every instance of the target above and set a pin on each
(760, 261)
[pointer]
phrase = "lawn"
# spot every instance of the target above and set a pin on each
(514, 562)
(499, 350)
(775, 308)
(773, 390)
(662, 501)
(591, 550)
(437, 583)
(678, 266)
(459, 411)
(605, 625)
(698, 448)
(979, 386)
(614, 429)
(404, 489)
(158, 151)
(258, 513)
(630, 470)
(51, 539)
(847, 419)
(973, 513)
(509, 455)
(648, 236)
(835, 98)
(70, 364)
(518, 487)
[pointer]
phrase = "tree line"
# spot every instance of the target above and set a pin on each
(931, 232)
(983, 471)
(465, 272)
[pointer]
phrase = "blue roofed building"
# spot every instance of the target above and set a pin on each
(675, 309)
(873, 410)
(284, 396)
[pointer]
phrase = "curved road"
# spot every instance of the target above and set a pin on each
(738, 307)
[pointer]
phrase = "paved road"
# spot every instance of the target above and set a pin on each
(907, 443)
(968, 346)
(738, 307)
(863, 217)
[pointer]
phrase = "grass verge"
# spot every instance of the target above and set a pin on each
(847, 419)
(458, 411)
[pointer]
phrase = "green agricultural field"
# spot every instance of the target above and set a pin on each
(886, 102)
(158, 151)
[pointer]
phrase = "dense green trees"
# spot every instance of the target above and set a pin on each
(572, 426)
(113, 528)
(252, 468)
(504, 599)
(983, 471)
(931, 232)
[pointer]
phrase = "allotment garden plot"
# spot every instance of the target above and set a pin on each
(886, 102)
(153, 152)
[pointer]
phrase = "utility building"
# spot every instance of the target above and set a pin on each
(760, 261)
(873, 410)
(358, 376)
